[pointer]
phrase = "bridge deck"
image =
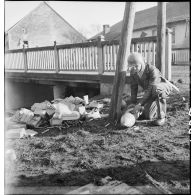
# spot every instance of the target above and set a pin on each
(53, 78)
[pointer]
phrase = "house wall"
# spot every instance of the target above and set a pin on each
(180, 29)
(180, 39)
(43, 26)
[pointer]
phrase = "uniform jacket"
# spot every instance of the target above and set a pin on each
(151, 76)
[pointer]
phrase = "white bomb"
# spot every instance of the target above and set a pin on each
(127, 120)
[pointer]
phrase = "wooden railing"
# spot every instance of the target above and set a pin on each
(99, 56)
(180, 56)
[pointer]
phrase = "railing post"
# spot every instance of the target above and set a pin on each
(168, 54)
(25, 60)
(56, 56)
(100, 56)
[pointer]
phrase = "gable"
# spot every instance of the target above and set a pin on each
(43, 26)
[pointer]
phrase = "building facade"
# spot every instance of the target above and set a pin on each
(41, 27)
(145, 24)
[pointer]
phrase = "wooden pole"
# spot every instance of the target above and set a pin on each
(161, 36)
(168, 59)
(56, 58)
(121, 63)
(100, 56)
(25, 59)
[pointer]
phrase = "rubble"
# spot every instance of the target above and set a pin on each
(30, 133)
(35, 121)
(95, 104)
(93, 114)
(23, 115)
(56, 112)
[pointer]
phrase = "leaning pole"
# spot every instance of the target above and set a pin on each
(121, 62)
(161, 36)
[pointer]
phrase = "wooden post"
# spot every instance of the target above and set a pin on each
(100, 62)
(161, 36)
(56, 58)
(121, 63)
(168, 59)
(25, 60)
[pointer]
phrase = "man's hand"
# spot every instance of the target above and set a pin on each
(137, 108)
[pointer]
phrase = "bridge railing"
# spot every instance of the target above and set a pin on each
(146, 46)
(180, 56)
(97, 56)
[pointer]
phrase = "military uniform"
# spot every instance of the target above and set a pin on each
(156, 90)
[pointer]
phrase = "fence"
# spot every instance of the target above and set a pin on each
(181, 56)
(99, 56)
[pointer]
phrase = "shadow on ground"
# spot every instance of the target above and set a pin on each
(161, 171)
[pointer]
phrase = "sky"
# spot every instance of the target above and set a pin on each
(86, 17)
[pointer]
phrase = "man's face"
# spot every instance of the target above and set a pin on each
(137, 66)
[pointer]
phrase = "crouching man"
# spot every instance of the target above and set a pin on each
(156, 89)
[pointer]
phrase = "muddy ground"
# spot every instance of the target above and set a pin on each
(89, 151)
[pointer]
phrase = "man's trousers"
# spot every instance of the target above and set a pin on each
(155, 108)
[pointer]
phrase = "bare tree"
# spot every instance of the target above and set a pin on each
(92, 30)
(95, 28)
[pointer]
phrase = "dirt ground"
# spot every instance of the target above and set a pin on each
(89, 151)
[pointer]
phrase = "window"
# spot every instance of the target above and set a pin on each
(173, 35)
(154, 32)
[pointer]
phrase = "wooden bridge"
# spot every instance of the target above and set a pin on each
(88, 62)
(81, 62)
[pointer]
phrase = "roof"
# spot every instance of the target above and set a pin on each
(176, 11)
(45, 4)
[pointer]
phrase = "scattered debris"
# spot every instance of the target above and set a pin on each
(123, 157)
(45, 131)
(55, 121)
(157, 184)
(86, 99)
(31, 133)
(94, 104)
(106, 100)
(107, 124)
(82, 110)
(136, 128)
(180, 80)
(35, 121)
(23, 115)
(105, 180)
(93, 114)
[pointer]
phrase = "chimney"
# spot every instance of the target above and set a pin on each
(106, 29)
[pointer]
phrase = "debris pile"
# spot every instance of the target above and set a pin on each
(71, 111)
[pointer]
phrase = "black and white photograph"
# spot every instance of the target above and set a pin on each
(97, 97)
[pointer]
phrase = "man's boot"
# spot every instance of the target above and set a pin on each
(161, 107)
